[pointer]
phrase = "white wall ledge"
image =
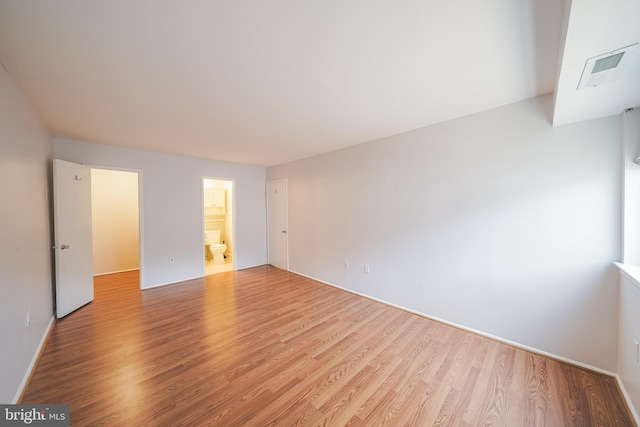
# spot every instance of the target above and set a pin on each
(630, 271)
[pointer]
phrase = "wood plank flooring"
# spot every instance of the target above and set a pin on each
(265, 347)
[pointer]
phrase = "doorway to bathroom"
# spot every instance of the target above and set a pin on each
(218, 225)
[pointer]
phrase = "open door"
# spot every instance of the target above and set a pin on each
(72, 228)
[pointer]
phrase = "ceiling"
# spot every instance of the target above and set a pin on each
(267, 82)
(593, 28)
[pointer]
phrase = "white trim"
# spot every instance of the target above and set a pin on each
(226, 215)
(142, 277)
(623, 185)
(631, 272)
(628, 399)
(473, 331)
(34, 360)
(180, 282)
(115, 272)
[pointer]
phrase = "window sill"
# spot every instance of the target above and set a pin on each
(632, 272)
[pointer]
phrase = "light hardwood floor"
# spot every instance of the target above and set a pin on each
(211, 268)
(264, 347)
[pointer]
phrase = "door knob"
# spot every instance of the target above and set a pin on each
(63, 247)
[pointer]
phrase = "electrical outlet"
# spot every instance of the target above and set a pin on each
(172, 260)
(28, 317)
(366, 268)
(346, 264)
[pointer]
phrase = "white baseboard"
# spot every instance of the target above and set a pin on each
(34, 360)
(628, 399)
(473, 331)
(180, 282)
(114, 272)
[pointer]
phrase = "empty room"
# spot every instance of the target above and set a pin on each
(320, 213)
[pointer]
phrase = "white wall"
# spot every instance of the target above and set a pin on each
(495, 221)
(25, 243)
(631, 141)
(115, 221)
(629, 333)
(629, 292)
(172, 204)
(228, 223)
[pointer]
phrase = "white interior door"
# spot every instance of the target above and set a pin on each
(278, 242)
(72, 227)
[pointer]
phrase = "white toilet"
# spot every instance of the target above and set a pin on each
(213, 245)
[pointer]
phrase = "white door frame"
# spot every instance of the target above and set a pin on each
(140, 216)
(233, 218)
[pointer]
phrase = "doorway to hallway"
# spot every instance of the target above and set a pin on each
(115, 217)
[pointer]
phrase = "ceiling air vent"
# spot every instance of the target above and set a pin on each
(605, 68)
